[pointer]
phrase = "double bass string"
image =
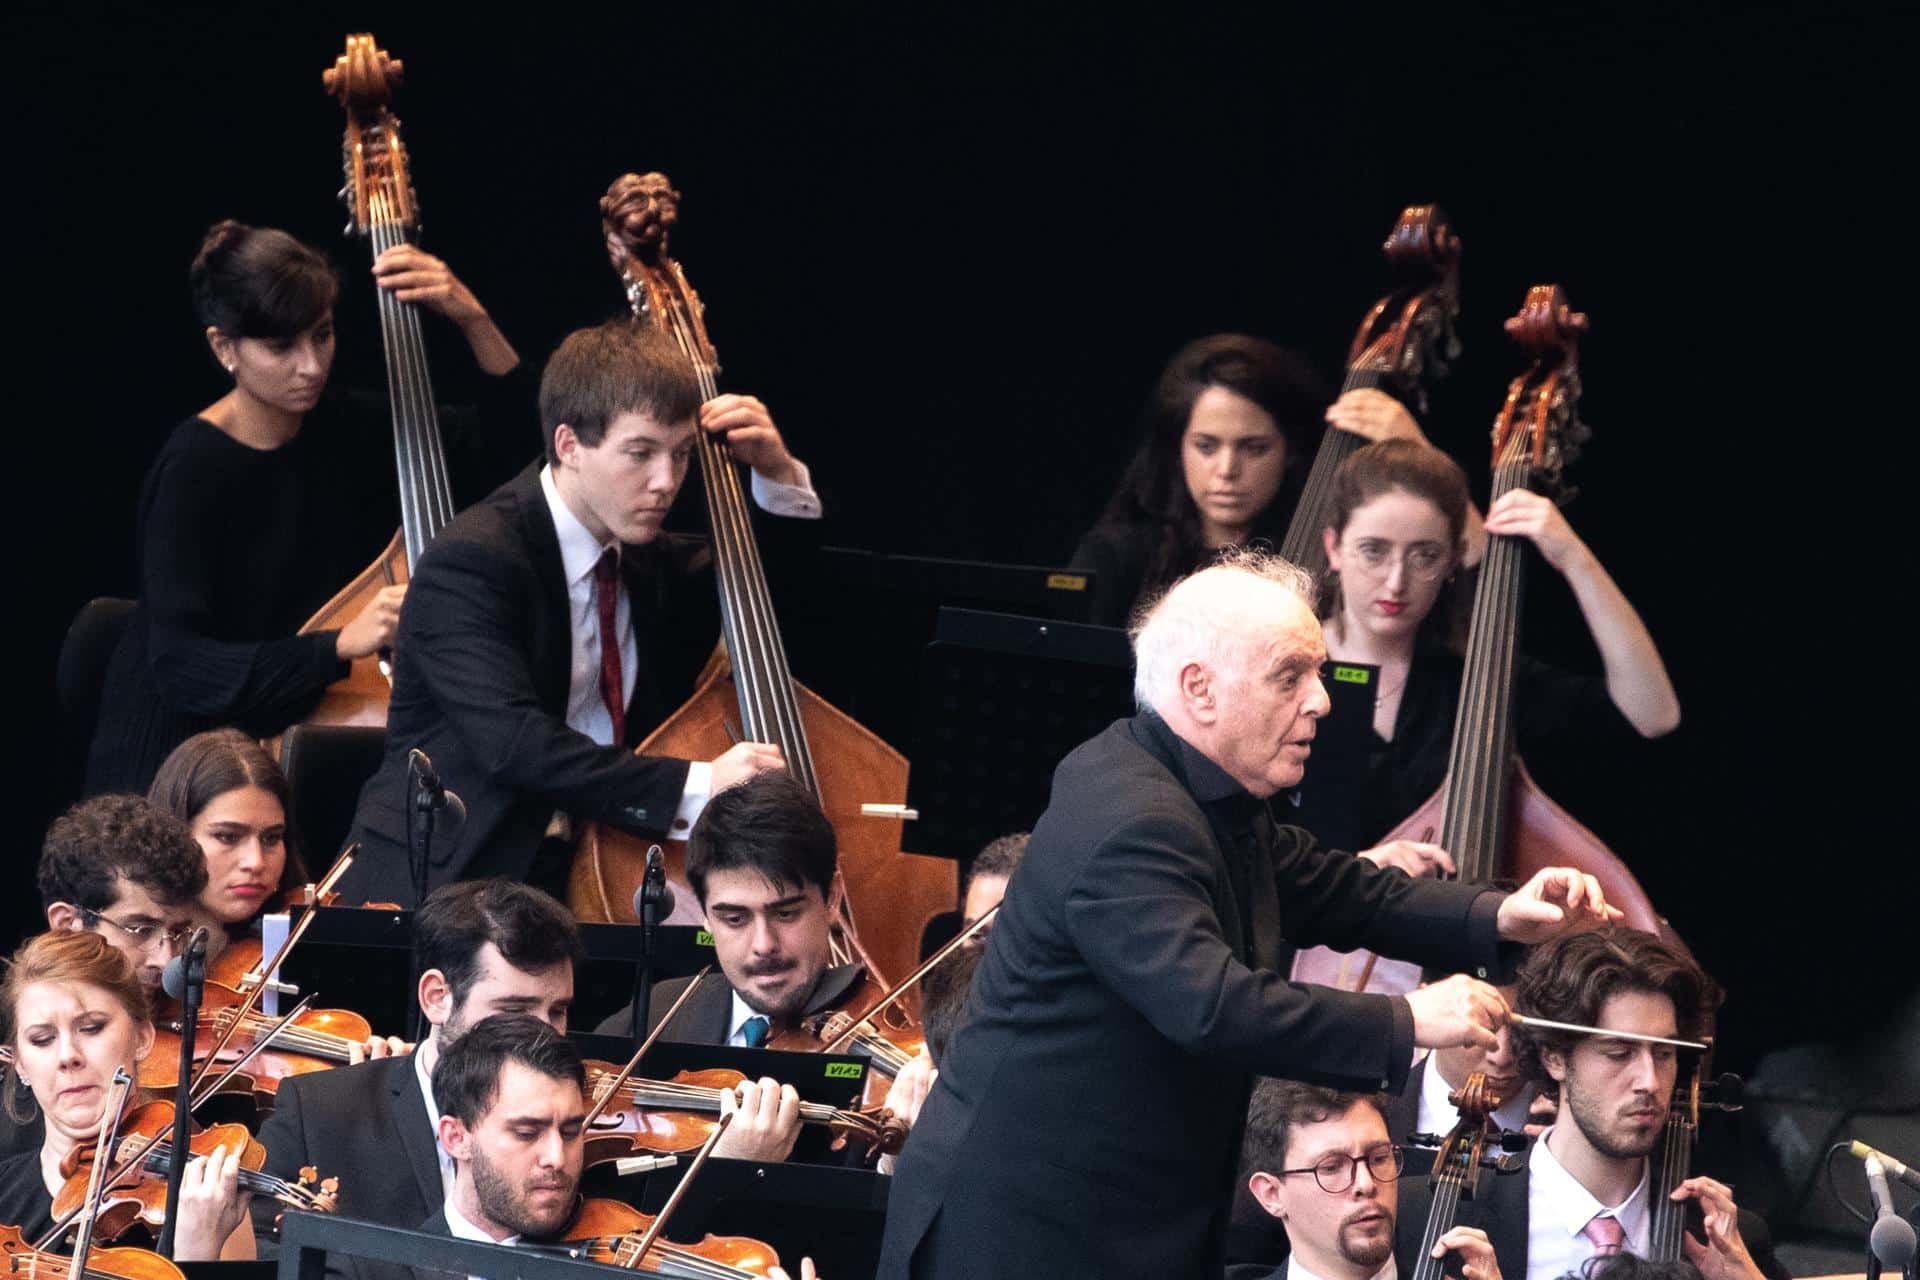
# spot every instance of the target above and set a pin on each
(425, 492)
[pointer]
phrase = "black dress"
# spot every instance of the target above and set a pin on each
(24, 1200)
(238, 547)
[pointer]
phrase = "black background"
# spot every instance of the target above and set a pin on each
(951, 246)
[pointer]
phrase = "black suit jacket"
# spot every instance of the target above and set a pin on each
(481, 670)
(1088, 1112)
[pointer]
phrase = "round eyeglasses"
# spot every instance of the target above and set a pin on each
(1337, 1173)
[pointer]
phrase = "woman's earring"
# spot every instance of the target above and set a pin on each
(20, 1106)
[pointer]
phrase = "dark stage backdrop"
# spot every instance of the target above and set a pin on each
(950, 246)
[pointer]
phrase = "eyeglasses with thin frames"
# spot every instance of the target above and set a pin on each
(145, 935)
(1337, 1174)
(1423, 561)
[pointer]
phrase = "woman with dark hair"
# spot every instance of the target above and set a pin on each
(233, 798)
(1399, 534)
(248, 522)
(1228, 435)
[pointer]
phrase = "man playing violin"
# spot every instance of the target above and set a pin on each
(1587, 1189)
(118, 867)
(1322, 1163)
(1088, 1111)
(551, 626)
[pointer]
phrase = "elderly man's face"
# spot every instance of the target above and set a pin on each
(1268, 700)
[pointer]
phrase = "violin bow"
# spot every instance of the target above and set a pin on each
(927, 966)
(679, 1192)
(97, 1183)
(626, 1073)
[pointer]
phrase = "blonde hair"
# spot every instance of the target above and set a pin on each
(71, 956)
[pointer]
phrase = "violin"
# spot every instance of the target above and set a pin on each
(120, 1264)
(1691, 1096)
(672, 1116)
(139, 1196)
(317, 1040)
(611, 1233)
(1469, 1146)
(1405, 341)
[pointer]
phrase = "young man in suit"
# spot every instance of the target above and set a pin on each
(485, 947)
(1321, 1163)
(1087, 1114)
(548, 629)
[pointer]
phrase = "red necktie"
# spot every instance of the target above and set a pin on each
(606, 593)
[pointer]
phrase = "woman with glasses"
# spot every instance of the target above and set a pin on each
(1400, 522)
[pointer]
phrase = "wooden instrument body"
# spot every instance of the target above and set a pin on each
(132, 1264)
(613, 1230)
(899, 894)
(361, 696)
(160, 1070)
(1539, 834)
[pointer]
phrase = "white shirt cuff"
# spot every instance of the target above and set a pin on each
(693, 799)
(797, 501)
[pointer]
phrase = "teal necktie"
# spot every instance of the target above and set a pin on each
(754, 1031)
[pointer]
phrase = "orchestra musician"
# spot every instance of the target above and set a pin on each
(483, 947)
(1322, 1163)
(233, 798)
(987, 877)
(1088, 1110)
(550, 626)
(1227, 435)
(248, 520)
(76, 1014)
(1400, 533)
(1586, 1188)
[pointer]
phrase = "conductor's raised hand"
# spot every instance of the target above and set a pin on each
(742, 760)
(1557, 901)
(1456, 1012)
(744, 423)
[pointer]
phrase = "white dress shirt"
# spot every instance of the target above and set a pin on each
(580, 552)
(1295, 1270)
(1437, 1115)
(460, 1229)
(424, 1074)
(742, 1015)
(1558, 1210)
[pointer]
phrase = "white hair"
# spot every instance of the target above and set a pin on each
(1206, 617)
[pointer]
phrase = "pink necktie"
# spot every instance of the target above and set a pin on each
(1605, 1233)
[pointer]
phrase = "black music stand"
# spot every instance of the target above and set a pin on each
(307, 1238)
(834, 1216)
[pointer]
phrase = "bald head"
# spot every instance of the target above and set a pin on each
(1230, 658)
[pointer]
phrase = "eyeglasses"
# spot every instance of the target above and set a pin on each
(145, 935)
(1422, 560)
(1336, 1174)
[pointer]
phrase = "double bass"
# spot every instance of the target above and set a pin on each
(1491, 815)
(382, 209)
(840, 761)
(1405, 341)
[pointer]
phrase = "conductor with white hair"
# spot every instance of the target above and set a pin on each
(1087, 1115)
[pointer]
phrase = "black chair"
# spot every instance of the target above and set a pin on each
(326, 765)
(84, 654)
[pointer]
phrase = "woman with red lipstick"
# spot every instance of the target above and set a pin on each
(233, 798)
(76, 1014)
(1228, 434)
(249, 520)
(1399, 534)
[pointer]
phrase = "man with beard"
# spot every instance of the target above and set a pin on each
(485, 947)
(1587, 1191)
(1321, 1162)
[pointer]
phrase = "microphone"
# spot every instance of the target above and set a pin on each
(1892, 1238)
(1887, 1163)
(173, 979)
(654, 884)
(631, 1165)
(434, 794)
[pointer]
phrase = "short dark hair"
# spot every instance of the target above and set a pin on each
(943, 998)
(466, 1079)
(256, 282)
(532, 932)
(207, 766)
(1571, 979)
(92, 845)
(770, 824)
(1625, 1266)
(1000, 856)
(1279, 1106)
(618, 367)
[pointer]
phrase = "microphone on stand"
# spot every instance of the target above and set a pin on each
(428, 796)
(184, 978)
(1891, 1243)
(651, 901)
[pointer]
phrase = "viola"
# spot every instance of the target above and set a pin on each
(840, 761)
(1467, 1148)
(1405, 341)
(1671, 1219)
(317, 1040)
(139, 1196)
(1491, 815)
(121, 1264)
(672, 1116)
(611, 1233)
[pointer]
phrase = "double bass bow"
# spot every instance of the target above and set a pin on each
(1406, 340)
(840, 761)
(382, 208)
(1491, 815)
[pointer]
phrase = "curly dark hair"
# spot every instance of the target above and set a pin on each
(1279, 1106)
(999, 857)
(1571, 979)
(91, 846)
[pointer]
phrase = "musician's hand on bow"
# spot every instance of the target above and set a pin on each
(910, 1088)
(766, 1121)
(744, 423)
(373, 628)
(1415, 857)
(1724, 1256)
(1374, 414)
(1457, 1011)
(741, 761)
(1476, 1252)
(1557, 901)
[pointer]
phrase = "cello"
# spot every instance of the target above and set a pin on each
(841, 762)
(1406, 340)
(381, 208)
(1474, 1143)
(1671, 1219)
(1491, 815)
